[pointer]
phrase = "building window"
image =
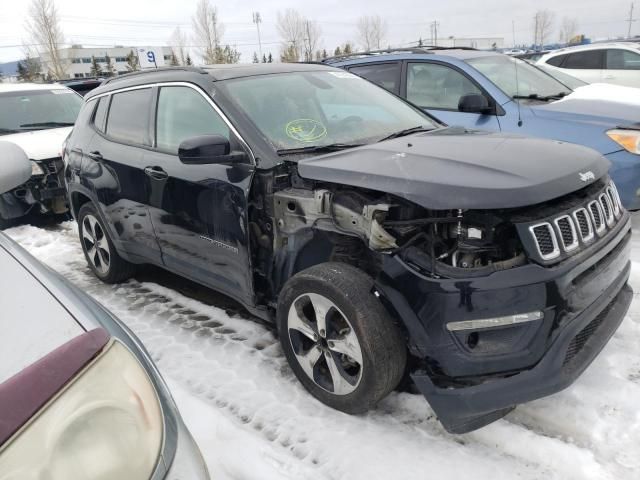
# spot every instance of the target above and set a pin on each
(121, 59)
(86, 60)
(168, 57)
(101, 60)
(76, 60)
(78, 75)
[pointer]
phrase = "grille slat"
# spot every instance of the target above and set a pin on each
(578, 226)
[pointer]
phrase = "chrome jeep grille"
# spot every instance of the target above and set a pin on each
(565, 233)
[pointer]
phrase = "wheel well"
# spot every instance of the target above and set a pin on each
(77, 201)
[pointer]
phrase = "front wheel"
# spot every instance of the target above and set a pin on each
(99, 251)
(339, 339)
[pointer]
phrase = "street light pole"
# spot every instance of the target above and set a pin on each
(257, 20)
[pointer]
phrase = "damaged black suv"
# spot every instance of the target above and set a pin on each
(492, 269)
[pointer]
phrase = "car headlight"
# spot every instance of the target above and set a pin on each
(36, 169)
(106, 425)
(627, 139)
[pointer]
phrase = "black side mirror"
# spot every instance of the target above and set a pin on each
(474, 103)
(206, 149)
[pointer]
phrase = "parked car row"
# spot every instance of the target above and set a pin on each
(489, 267)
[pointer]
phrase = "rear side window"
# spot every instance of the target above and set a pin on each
(386, 75)
(100, 117)
(591, 60)
(184, 113)
(618, 59)
(129, 116)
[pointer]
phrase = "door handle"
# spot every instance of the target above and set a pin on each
(96, 155)
(156, 173)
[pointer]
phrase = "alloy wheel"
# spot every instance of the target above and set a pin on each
(95, 244)
(325, 344)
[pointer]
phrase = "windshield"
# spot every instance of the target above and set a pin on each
(501, 70)
(37, 109)
(569, 80)
(313, 109)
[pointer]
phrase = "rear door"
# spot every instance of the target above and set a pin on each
(437, 88)
(622, 67)
(115, 169)
(199, 212)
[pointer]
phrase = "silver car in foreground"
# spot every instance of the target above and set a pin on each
(80, 397)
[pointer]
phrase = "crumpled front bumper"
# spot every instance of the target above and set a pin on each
(583, 299)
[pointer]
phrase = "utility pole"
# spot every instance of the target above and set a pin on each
(535, 34)
(258, 20)
(434, 33)
(513, 30)
(631, 20)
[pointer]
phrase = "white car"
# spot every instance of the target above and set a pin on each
(616, 63)
(37, 118)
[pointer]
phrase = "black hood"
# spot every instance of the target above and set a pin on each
(451, 168)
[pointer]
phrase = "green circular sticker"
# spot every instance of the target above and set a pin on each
(305, 130)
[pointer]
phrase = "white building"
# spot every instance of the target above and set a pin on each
(77, 60)
(481, 43)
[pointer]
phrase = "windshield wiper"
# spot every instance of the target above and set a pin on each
(407, 131)
(334, 147)
(4, 131)
(542, 98)
(48, 124)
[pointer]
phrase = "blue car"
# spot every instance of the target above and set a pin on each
(491, 91)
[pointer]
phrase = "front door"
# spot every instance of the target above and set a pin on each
(437, 88)
(199, 212)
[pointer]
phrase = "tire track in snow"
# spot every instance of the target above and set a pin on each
(236, 365)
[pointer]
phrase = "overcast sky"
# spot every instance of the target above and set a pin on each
(150, 22)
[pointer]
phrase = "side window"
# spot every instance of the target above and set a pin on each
(589, 60)
(430, 85)
(99, 119)
(129, 116)
(386, 75)
(618, 59)
(184, 113)
(556, 61)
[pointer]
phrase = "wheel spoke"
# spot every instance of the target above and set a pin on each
(91, 253)
(309, 359)
(347, 345)
(87, 234)
(103, 244)
(321, 307)
(341, 385)
(296, 322)
(104, 260)
(92, 225)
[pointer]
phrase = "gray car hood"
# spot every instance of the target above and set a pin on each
(451, 168)
(607, 113)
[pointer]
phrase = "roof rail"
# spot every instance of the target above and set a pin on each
(417, 50)
(159, 69)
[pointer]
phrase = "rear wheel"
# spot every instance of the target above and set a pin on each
(101, 255)
(338, 338)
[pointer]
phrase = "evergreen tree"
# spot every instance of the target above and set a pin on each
(324, 53)
(255, 58)
(132, 62)
(28, 69)
(174, 59)
(96, 69)
(110, 70)
(348, 48)
(270, 59)
(189, 62)
(338, 51)
(229, 55)
(264, 58)
(289, 55)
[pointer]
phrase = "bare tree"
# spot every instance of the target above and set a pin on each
(542, 26)
(568, 29)
(371, 31)
(311, 39)
(291, 27)
(208, 32)
(178, 43)
(45, 31)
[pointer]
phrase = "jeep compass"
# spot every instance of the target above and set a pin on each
(490, 269)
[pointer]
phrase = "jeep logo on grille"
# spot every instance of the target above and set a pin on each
(587, 176)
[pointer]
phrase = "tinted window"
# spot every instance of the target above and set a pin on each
(622, 60)
(436, 86)
(101, 113)
(591, 60)
(556, 61)
(387, 75)
(184, 113)
(129, 116)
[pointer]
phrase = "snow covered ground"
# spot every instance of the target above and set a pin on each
(253, 420)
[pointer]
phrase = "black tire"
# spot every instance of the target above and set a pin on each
(5, 223)
(117, 269)
(382, 345)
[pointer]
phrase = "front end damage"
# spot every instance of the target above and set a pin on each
(44, 193)
(499, 306)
